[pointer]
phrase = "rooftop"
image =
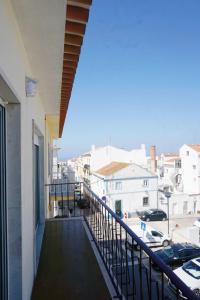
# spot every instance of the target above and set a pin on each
(112, 168)
(195, 147)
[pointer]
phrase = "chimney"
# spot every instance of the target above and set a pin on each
(153, 158)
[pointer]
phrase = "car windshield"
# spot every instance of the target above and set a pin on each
(169, 252)
(192, 269)
(148, 211)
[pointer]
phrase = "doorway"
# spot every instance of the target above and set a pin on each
(118, 208)
(37, 186)
(3, 208)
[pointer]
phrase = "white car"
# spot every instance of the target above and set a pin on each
(189, 273)
(150, 236)
(197, 223)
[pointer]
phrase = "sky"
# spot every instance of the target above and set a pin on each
(138, 78)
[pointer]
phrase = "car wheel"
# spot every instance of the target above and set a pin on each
(165, 243)
(163, 219)
(147, 219)
(197, 292)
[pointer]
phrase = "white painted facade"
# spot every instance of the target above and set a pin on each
(27, 48)
(134, 186)
(104, 155)
(170, 174)
(101, 156)
(190, 170)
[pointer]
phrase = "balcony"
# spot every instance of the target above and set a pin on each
(68, 268)
(84, 237)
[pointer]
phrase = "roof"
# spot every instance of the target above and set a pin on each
(112, 168)
(173, 159)
(195, 147)
(171, 154)
(77, 14)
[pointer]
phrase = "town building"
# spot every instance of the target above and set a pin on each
(34, 95)
(126, 188)
(190, 158)
(169, 172)
(98, 157)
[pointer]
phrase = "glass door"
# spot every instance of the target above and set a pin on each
(3, 208)
(37, 185)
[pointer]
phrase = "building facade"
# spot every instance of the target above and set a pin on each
(126, 188)
(32, 114)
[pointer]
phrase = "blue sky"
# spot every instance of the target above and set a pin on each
(138, 79)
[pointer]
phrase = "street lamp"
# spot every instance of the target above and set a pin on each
(168, 195)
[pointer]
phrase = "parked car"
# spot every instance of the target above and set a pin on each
(189, 273)
(83, 203)
(150, 236)
(152, 215)
(177, 254)
(197, 222)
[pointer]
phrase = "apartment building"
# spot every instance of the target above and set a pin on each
(125, 187)
(169, 172)
(34, 94)
(39, 53)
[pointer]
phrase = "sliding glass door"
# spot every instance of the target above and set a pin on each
(3, 208)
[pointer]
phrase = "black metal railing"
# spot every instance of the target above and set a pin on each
(135, 271)
(66, 200)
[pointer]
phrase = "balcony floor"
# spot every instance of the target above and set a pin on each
(68, 268)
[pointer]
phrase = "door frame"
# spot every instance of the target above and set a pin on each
(3, 208)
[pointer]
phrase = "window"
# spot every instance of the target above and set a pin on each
(145, 201)
(156, 233)
(187, 153)
(178, 164)
(194, 167)
(145, 182)
(118, 185)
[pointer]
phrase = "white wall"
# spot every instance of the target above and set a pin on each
(180, 204)
(14, 66)
(132, 194)
(190, 176)
(101, 157)
(132, 190)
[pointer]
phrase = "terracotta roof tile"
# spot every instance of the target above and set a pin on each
(112, 168)
(195, 147)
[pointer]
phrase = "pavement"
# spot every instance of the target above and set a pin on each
(178, 226)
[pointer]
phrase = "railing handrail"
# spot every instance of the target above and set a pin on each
(170, 274)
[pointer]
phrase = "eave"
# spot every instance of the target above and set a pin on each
(77, 14)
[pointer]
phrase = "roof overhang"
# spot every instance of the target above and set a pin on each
(52, 33)
(77, 15)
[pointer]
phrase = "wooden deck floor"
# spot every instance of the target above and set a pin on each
(68, 268)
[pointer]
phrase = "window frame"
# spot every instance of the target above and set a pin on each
(3, 208)
(118, 183)
(146, 197)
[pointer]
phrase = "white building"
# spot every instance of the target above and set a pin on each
(32, 114)
(101, 156)
(190, 157)
(170, 173)
(126, 187)
(104, 155)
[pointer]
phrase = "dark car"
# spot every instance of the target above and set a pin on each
(83, 203)
(152, 215)
(177, 254)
